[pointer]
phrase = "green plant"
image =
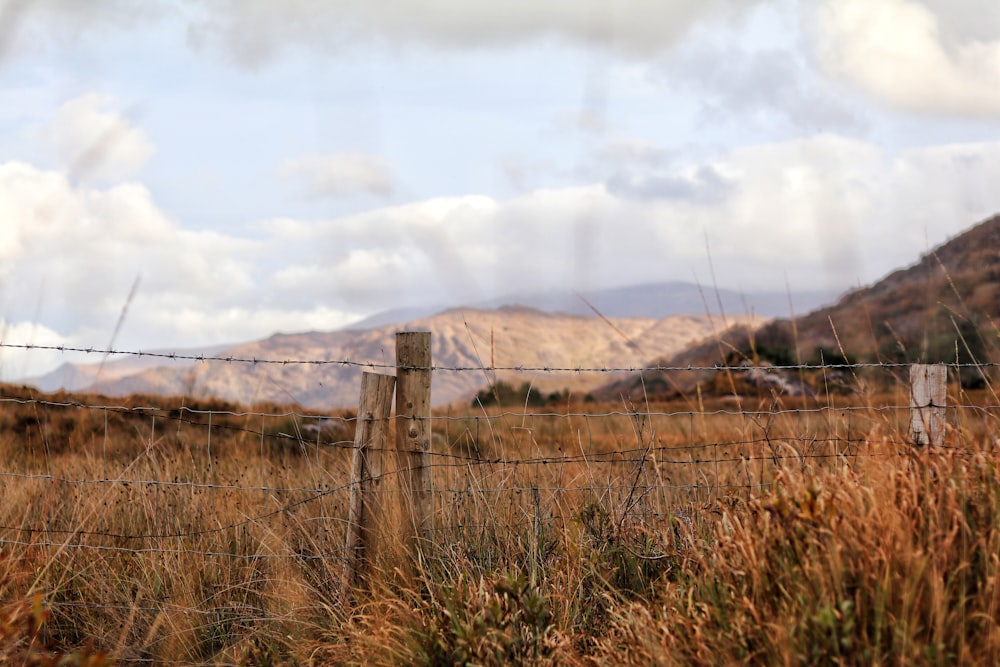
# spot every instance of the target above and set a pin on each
(505, 394)
(500, 622)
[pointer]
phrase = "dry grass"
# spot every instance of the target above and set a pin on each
(670, 534)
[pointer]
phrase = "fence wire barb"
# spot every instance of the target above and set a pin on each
(479, 369)
(157, 550)
(165, 412)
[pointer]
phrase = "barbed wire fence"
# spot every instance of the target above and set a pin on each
(111, 495)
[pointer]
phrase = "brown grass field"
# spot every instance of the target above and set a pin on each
(704, 532)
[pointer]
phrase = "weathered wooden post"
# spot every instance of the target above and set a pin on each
(928, 398)
(370, 439)
(413, 435)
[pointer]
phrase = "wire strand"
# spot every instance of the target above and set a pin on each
(479, 369)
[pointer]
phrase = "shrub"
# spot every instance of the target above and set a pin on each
(503, 621)
(505, 394)
(842, 568)
(23, 629)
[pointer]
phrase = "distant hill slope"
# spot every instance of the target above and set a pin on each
(645, 301)
(656, 300)
(507, 337)
(918, 313)
(666, 299)
(946, 307)
(76, 376)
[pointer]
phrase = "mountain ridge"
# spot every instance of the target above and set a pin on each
(945, 307)
(653, 301)
(649, 299)
(510, 338)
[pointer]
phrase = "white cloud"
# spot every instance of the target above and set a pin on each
(758, 75)
(961, 21)
(912, 55)
(772, 87)
(94, 141)
(28, 25)
(342, 174)
(633, 151)
(828, 212)
(704, 184)
(525, 173)
(72, 253)
(591, 121)
(254, 31)
(82, 240)
(238, 323)
(16, 362)
(414, 253)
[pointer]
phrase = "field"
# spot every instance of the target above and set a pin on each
(704, 531)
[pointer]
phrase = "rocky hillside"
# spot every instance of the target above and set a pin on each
(944, 308)
(949, 299)
(505, 337)
(81, 376)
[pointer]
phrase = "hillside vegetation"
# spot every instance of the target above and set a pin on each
(945, 308)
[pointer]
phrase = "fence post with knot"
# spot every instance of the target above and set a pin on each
(928, 399)
(413, 436)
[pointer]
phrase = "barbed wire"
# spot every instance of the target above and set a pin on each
(478, 457)
(440, 526)
(165, 412)
(124, 481)
(345, 487)
(180, 408)
(613, 456)
(172, 415)
(163, 551)
(520, 368)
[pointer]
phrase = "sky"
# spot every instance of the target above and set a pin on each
(182, 173)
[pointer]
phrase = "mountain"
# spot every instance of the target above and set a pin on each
(76, 377)
(505, 337)
(656, 300)
(394, 316)
(666, 299)
(944, 308)
(652, 301)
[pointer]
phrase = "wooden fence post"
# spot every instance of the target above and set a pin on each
(928, 398)
(413, 435)
(370, 438)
